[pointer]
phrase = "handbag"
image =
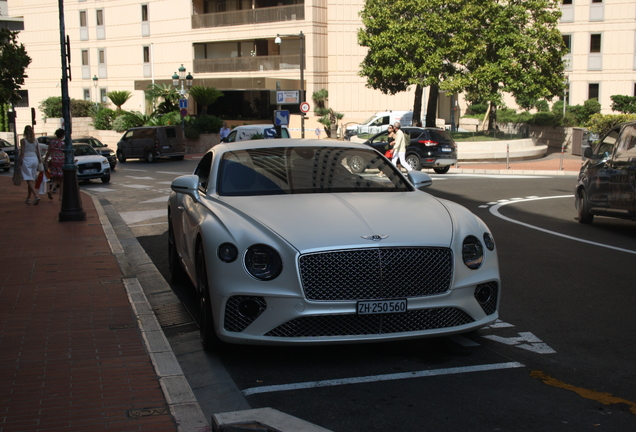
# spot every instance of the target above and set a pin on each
(388, 154)
(40, 167)
(40, 164)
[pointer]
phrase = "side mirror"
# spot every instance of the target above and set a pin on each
(187, 184)
(419, 179)
(588, 152)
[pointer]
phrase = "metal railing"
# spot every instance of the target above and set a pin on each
(247, 64)
(249, 16)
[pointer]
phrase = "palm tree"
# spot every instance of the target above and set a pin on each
(169, 95)
(329, 117)
(119, 97)
(205, 96)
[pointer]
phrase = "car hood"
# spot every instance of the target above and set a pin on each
(325, 221)
(89, 159)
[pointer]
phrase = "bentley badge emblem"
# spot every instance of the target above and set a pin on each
(375, 237)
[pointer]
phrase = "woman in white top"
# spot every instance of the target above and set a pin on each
(29, 160)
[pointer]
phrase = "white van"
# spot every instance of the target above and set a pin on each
(379, 122)
(244, 133)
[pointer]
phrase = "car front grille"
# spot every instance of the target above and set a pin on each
(81, 168)
(376, 273)
(357, 325)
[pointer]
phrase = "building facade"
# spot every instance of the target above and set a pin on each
(231, 45)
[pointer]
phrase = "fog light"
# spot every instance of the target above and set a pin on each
(483, 293)
(227, 252)
(249, 308)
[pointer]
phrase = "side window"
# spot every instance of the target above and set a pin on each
(128, 135)
(377, 122)
(171, 132)
(284, 132)
(626, 150)
(381, 139)
(385, 120)
(203, 171)
(606, 147)
(231, 137)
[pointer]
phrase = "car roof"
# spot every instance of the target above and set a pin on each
(285, 142)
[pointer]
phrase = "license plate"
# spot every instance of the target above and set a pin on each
(90, 171)
(444, 149)
(381, 306)
(166, 147)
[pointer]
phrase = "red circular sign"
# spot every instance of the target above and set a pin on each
(304, 107)
(184, 112)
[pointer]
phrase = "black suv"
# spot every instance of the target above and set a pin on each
(606, 185)
(428, 148)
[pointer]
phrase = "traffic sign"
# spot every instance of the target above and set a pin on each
(183, 103)
(286, 97)
(304, 107)
(281, 117)
(184, 112)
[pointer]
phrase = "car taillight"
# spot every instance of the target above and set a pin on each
(428, 143)
(156, 143)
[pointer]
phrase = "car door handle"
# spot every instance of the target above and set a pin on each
(181, 208)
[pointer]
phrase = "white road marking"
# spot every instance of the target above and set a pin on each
(379, 378)
(495, 211)
(140, 178)
(137, 186)
(174, 173)
(102, 189)
(143, 215)
(533, 343)
(128, 169)
(160, 199)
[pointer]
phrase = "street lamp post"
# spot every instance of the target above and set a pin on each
(186, 84)
(95, 79)
(301, 38)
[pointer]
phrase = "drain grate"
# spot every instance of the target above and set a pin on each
(146, 412)
(172, 314)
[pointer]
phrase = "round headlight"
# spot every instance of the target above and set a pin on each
(489, 241)
(263, 262)
(227, 252)
(472, 252)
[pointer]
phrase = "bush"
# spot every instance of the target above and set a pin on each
(478, 108)
(207, 124)
(600, 123)
(545, 119)
(104, 119)
(623, 104)
(125, 122)
(52, 107)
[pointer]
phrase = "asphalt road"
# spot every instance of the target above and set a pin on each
(561, 358)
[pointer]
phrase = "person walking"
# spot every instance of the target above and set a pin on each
(30, 158)
(55, 160)
(399, 147)
(225, 131)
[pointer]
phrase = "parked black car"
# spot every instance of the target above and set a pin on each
(8, 148)
(606, 185)
(428, 148)
(101, 148)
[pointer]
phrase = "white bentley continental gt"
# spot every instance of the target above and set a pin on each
(286, 245)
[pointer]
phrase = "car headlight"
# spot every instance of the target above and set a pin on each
(104, 162)
(227, 252)
(472, 252)
(263, 262)
(489, 241)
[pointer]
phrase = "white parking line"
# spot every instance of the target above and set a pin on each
(378, 378)
(495, 211)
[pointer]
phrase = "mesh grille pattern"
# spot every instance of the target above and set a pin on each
(236, 322)
(355, 325)
(491, 305)
(376, 273)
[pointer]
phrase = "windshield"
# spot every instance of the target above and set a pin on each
(84, 150)
(296, 170)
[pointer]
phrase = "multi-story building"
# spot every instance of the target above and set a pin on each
(231, 45)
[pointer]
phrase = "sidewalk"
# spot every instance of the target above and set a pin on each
(551, 164)
(72, 356)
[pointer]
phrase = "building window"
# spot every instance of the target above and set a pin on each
(83, 25)
(597, 1)
(567, 2)
(567, 58)
(99, 19)
(101, 63)
(145, 24)
(147, 67)
(567, 11)
(595, 43)
(102, 95)
(24, 99)
(593, 90)
(87, 94)
(86, 68)
(597, 11)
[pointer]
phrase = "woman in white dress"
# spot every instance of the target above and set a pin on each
(29, 160)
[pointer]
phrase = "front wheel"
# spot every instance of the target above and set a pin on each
(209, 340)
(583, 207)
(120, 156)
(356, 164)
(106, 178)
(150, 157)
(414, 161)
(441, 170)
(177, 274)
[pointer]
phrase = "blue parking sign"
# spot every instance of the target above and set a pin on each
(281, 117)
(183, 103)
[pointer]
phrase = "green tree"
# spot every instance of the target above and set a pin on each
(205, 96)
(13, 62)
(515, 47)
(329, 118)
(119, 97)
(623, 104)
(168, 94)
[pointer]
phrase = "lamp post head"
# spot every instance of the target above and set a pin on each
(278, 40)
(95, 79)
(182, 72)
(189, 79)
(175, 80)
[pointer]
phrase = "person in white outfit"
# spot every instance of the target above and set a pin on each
(399, 147)
(29, 160)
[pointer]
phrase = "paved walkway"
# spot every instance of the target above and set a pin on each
(551, 164)
(72, 356)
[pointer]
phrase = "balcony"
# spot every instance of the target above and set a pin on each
(249, 16)
(247, 64)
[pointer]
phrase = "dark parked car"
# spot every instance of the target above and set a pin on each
(101, 148)
(8, 148)
(151, 142)
(428, 148)
(606, 185)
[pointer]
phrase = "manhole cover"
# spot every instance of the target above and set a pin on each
(172, 314)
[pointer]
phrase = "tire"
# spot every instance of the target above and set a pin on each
(347, 138)
(356, 164)
(177, 274)
(150, 157)
(441, 170)
(209, 340)
(583, 207)
(106, 179)
(414, 161)
(112, 166)
(120, 157)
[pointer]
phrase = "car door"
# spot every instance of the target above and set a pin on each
(126, 142)
(622, 172)
(599, 170)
